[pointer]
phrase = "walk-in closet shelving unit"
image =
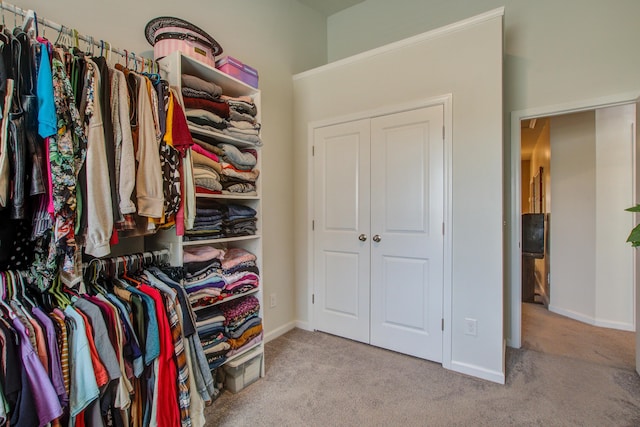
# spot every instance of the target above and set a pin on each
(172, 67)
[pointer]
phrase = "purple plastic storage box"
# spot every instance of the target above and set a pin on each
(243, 72)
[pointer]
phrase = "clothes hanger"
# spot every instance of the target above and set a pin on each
(109, 53)
(16, 299)
(4, 307)
(95, 268)
(23, 296)
(2, 7)
(153, 76)
(3, 26)
(126, 275)
(55, 290)
(60, 39)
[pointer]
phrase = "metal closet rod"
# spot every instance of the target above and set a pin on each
(29, 15)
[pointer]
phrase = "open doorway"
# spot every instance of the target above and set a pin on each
(576, 272)
(536, 203)
(525, 200)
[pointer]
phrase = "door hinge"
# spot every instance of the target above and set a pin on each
(443, 228)
(442, 132)
(442, 325)
(313, 224)
(313, 298)
(313, 150)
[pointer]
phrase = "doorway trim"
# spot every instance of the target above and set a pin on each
(446, 101)
(514, 336)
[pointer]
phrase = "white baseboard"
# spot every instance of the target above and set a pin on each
(622, 326)
(616, 325)
(478, 372)
(510, 343)
(304, 325)
(572, 315)
(271, 335)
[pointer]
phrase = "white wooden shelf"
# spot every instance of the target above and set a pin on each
(172, 67)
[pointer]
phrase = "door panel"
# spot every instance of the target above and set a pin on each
(341, 214)
(407, 213)
(405, 182)
(404, 303)
(341, 268)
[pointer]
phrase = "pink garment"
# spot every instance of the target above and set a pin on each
(198, 149)
(50, 207)
(235, 256)
(202, 253)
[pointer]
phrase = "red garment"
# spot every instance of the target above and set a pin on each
(218, 108)
(180, 134)
(102, 377)
(198, 149)
(80, 420)
(168, 413)
(204, 190)
(181, 140)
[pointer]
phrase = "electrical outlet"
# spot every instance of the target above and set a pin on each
(470, 327)
(272, 301)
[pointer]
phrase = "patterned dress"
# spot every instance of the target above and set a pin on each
(67, 154)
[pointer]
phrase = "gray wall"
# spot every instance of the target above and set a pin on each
(591, 265)
(573, 214)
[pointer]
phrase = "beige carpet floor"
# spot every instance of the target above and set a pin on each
(561, 377)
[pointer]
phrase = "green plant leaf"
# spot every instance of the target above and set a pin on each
(635, 208)
(634, 236)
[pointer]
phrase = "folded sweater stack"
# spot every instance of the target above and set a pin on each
(208, 110)
(213, 274)
(224, 168)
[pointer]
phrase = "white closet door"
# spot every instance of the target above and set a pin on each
(341, 205)
(407, 199)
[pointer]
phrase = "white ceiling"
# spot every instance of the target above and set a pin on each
(329, 7)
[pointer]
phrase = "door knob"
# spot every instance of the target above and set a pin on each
(362, 237)
(377, 238)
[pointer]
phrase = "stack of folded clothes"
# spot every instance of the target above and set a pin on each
(204, 107)
(242, 122)
(243, 324)
(206, 170)
(215, 220)
(210, 323)
(213, 274)
(203, 280)
(224, 168)
(209, 219)
(240, 221)
(240, 272)
(238, 175)
(208, 110)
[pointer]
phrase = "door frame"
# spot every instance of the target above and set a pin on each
(514, 288)
(446, 101)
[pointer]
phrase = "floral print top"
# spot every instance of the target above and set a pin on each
(67, 155)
